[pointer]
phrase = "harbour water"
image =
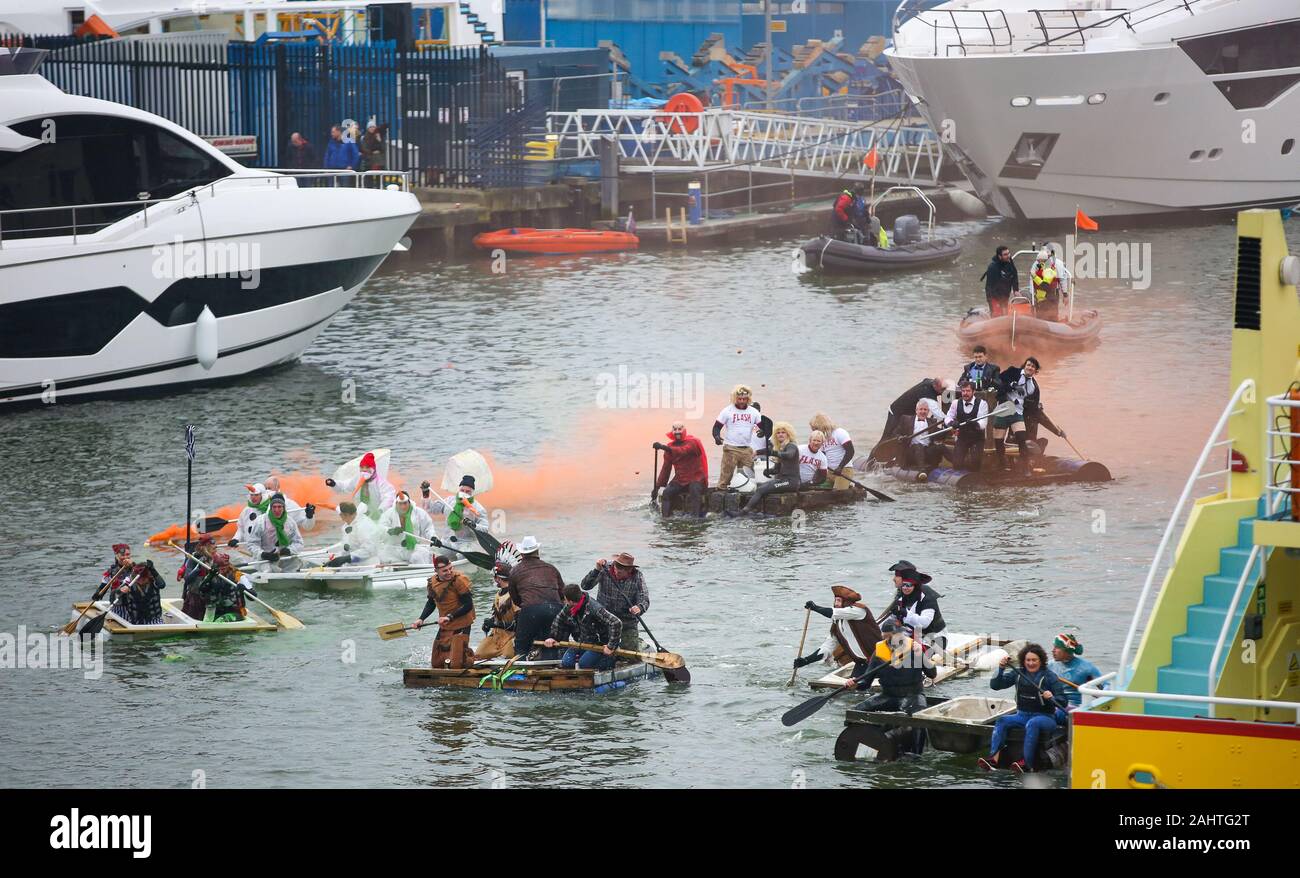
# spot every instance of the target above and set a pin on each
(432, 359)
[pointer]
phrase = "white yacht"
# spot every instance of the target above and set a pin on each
(133, 254)
(1162, 107)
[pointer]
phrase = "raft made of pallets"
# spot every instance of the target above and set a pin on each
(721, 501)
(542, 676)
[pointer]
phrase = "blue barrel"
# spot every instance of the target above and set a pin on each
(696, 209)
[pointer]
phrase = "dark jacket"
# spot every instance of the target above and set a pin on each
(372, 151)
(897, 682)
(300, 156)
(986, 377)
(533, 581)
(787, 463)
(1000, 279)
(906, 404)
(618, 597)
(142, 605)
(1009, 379)
(1028, 687)
(591, 624)
(929, 601)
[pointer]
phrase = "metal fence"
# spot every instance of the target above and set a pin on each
(451, 115)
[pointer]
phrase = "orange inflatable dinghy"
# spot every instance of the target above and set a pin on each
(556, 241)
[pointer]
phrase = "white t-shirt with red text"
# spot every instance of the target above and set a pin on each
(834, 446)
(809, 462)
(739, 425)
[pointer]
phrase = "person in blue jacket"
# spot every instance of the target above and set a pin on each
(340, 154)
(1067, 665)
(1039, 693)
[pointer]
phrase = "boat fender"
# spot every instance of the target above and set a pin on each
(967, 203)
(205, 338)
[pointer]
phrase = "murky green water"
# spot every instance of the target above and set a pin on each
(448, 356)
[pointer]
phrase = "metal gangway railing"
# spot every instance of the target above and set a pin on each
(651, 141)
(957, 32)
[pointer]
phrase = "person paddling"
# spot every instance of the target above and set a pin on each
(222, 592)
(1039, 693)
(902, 409)
(138, 599)
(853, 633)
(359, 539)
(838, 449)
(584, 620)
(121, 560)
(448, 592)
(464, 515)
(968, 415)
(685, 458)
(621, 589)
(500, 625)
(902, 677)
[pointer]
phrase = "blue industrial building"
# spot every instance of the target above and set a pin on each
(644, 28)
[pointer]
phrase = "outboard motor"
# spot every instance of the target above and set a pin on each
(907, 229)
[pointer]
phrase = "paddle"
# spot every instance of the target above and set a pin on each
(807, 615)
(1004, 408)
(283, 619)
(879, 495)
(663, 660)
(96, 625)
(801, 712)
(672, 675)
(478, 559)
(107, 586)
(394, 630)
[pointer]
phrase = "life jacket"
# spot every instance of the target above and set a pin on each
(843, 203)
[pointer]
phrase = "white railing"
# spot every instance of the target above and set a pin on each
(1280, 409)
(718, 139)
(961, 32)
(399, 180)
(1212, 678)
(1093, 691)
(1245, 390)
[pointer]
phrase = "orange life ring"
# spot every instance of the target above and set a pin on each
(684, 102)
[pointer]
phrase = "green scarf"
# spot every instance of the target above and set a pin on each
(372, 509)
(279, 523)
(457, 516)
(408, 525)
(263, 506)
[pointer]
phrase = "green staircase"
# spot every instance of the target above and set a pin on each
(1188, 672)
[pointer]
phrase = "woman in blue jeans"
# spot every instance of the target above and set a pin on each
(1039, 693)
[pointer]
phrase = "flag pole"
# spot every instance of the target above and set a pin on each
(189, 478)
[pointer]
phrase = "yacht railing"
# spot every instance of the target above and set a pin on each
(972, 31)
(389, 180)
(1093, 691)
(1246, 391)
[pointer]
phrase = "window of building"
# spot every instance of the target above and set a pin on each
(88, 159)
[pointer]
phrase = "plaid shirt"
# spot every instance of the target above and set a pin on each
(618, 597)
(593, 624)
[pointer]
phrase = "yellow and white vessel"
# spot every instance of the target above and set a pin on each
(1210, 696)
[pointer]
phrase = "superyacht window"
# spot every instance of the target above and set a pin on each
(1268, 47)
(88, 159)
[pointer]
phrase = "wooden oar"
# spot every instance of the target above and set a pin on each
(96, 625)
(998, 411)
(394, 630)
(879, 495)
(672, 675)
(807, 615)
(801, 712)
(107, 586)
(667, 660)
(283, 619)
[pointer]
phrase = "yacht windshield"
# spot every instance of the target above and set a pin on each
(87, 160)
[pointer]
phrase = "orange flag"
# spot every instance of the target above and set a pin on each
(871, 159)
(1083, 221)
